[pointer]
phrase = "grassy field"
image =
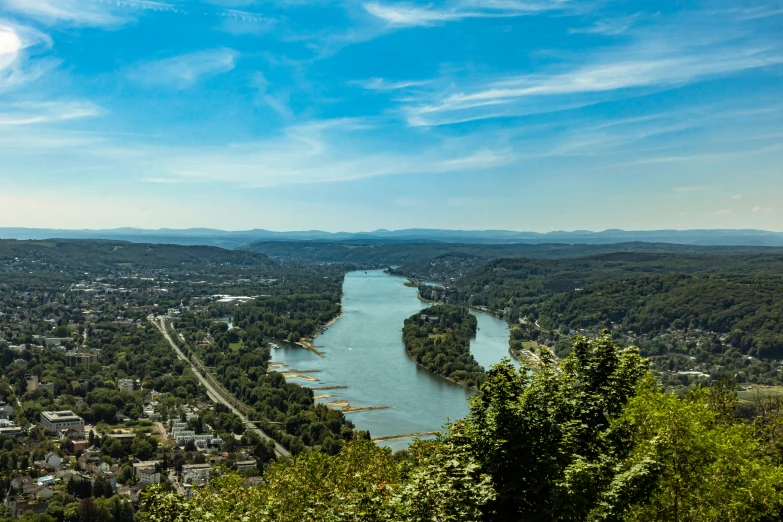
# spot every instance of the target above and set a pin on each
(747, 395)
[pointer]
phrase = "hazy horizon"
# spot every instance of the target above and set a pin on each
(371, 114)
(393, 230)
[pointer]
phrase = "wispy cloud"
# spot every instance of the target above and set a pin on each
(31, 113)
(381, 84)
(608, 27)
(320, 151)
(185, 70)
(94, 13)
(762, 210)
(736, 196)
(722, 212)
(413, 15)
(235, 21)
(677, 54)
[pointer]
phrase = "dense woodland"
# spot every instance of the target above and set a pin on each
(416, 257)
(439, 337)
(113, 256)
(712, 310)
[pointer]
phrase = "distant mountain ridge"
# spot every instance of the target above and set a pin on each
(236, 239)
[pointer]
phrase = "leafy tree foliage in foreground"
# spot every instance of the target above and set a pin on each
(591, 439)
(431, 481)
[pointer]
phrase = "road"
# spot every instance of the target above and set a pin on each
(214, 395)
(174, 482)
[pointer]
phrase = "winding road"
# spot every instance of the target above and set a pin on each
(160, 324)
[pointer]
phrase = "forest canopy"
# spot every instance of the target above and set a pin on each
(439, 337)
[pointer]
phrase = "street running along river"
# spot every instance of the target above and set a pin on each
(366, 365)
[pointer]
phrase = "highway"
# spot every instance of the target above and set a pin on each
(214, 395)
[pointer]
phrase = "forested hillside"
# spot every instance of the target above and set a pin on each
(416, 256)
(439, 337)
(693, 314)
(107, 256)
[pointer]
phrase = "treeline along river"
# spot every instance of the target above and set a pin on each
(363, 351)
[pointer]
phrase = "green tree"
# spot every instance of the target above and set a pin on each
(546, 439)
(114, 509)
(711, 464)
(363, 482)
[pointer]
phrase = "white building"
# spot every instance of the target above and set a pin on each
(126, 385)
(195, 472)
(148, 476)
(61, 420)
(48, 480)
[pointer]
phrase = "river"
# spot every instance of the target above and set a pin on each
(363, 351)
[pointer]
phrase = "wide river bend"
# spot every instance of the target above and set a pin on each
(364, 352)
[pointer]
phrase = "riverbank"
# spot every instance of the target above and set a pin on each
(307, 343)
(514, 357)
(366, 363)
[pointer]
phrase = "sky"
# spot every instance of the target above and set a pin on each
(351, 115)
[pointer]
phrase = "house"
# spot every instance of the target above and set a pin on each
(80, 445)
(19, 506)
(192, 487)
(148, 476)
(61, 420)
(19, 483)
(53, 460)
(93, 451)
(21, 363)
(90, 464)
(126, 439)
(125, 385)
(48, 386)
(216, 460)
(246, 465)
(76, 359)
(90, 460)
(42, 493)
(195, 472)
(25, 494)
(6, 411)
(5, 423)
(15, 431)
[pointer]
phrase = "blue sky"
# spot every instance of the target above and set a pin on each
(355, 115)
